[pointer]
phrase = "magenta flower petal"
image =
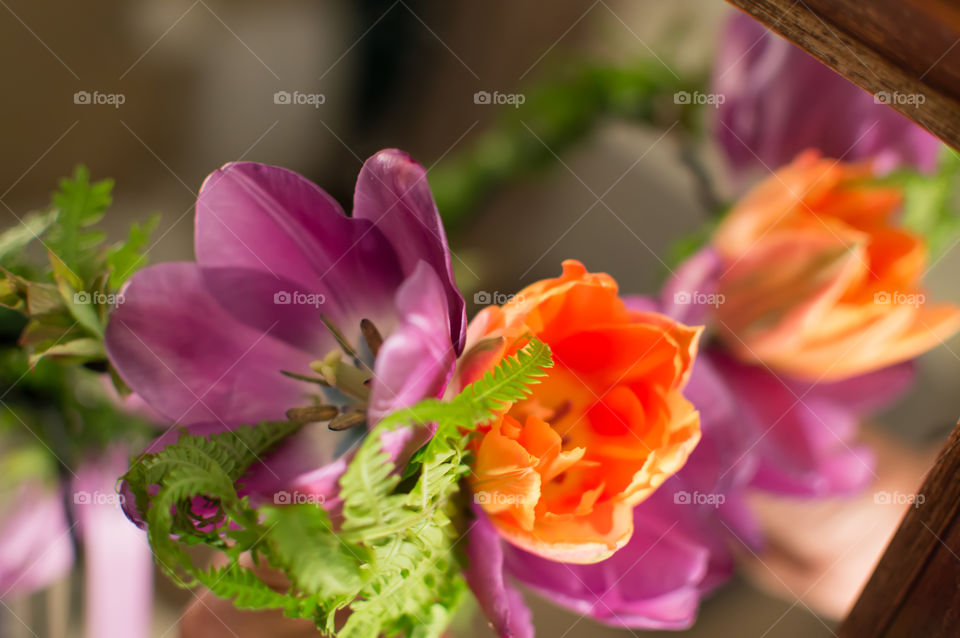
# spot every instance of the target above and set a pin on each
(724, 462)
(418, 359)
(192, 361)
(393, 193)
(118, 563)
(255, 216)
(768, 115)
(35, 545)
(500, 601)
(868, 392)
(276, 306)
(654, 582)
(804, 443)
(695, 279)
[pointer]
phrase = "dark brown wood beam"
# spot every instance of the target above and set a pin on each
(915, 590)
(901, 47)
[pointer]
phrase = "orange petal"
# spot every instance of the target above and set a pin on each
(598, 536)
(540, 440)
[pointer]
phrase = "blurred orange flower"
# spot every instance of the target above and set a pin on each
(560, 472)
(817, 280)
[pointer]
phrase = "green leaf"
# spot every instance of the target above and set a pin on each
(127, 257)
(686, 246)
(30, 227)
(79, 302)
(243, 587)
(930, 203)
(79, 204)
(79, 349)
(314, 558)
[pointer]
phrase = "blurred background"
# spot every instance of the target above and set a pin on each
(319, 86)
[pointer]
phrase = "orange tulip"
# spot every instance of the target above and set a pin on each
(817, 280)
(560, 472)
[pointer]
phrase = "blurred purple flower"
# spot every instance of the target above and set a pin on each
(35, 545)
(118, 563)
(204, 343)
(759, 432)
(779, 101)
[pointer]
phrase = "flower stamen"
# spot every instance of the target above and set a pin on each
(371, 335)
(347, 420)
(312, 413)
(347, 378)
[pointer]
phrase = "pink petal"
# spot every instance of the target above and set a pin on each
(500, 601)
(191, 361)
(393, 193)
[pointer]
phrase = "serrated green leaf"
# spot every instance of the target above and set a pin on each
(312, 555)
(79, 204)
(243, 587)
(127, 257)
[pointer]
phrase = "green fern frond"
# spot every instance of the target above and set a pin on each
(389, 557)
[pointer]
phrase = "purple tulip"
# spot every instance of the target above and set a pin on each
(205, 343)
(778, 101)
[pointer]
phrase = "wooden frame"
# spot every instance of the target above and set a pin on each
(897, 48)
(915, 590)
